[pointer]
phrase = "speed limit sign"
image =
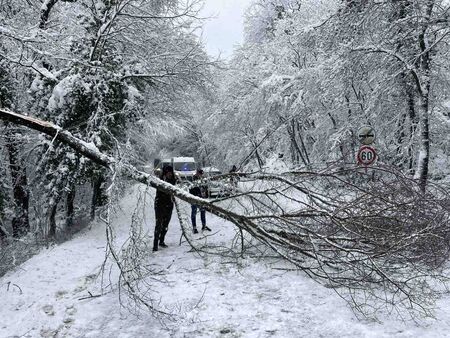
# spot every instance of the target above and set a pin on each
(366, 155)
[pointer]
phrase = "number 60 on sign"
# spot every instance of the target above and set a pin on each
(366, 155)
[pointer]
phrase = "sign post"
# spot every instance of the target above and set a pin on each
(366, 154)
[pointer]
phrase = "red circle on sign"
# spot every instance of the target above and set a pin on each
(366, 155)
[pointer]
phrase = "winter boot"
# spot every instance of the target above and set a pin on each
(195, 230)
(161, 240)
(155, 244)
(205, 228)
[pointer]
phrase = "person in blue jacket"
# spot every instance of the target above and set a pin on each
(201, 191)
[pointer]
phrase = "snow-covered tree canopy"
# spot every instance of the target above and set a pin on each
(102, 69)
(311, 73)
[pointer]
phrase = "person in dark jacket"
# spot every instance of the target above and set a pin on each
(233, 178)
(163, 209)
(200, 191)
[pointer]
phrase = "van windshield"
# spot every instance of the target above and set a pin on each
(162, 165)
(184, 166)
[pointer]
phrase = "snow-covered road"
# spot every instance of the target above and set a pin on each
(44, 296)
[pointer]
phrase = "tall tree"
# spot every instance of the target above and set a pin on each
(17, 166)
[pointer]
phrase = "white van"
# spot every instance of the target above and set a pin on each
(184, 167)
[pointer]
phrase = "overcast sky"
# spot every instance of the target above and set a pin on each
(225, 29)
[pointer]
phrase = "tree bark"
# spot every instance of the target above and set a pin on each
(305, 151)
(20, 221)
(46, 8)
(258, 157)
(59, 183)
(404, 10)
(413, 126)
(401, 135)
(424, 85)
(424, 155)
(97, 193)
(294, 144)
(52, 220)
(333, 121)
(3, 233)
(70, 199)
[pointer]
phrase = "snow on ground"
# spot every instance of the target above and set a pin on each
(43, 297)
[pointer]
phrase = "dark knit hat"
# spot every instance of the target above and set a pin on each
(167, 169)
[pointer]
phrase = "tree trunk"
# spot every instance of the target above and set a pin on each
(354, 146)
(52, 220)
(3, 233)
(424, 85)
(53, 207)
(97, 194)
(333, 121)
(294, 144)
(59, 183)
(407, 128)
(258, 157)
(305, 152)
(424, 155)
(20, 221)
(70, 199)
(406, 137)
(413, 126)
(45, 12)
(401, 136)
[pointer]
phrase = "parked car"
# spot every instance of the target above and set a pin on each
(217, 187)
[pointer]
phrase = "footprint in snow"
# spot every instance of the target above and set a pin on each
(60, 294)
(49, 333)
(83, 282)
(70, 310)
(48, 310)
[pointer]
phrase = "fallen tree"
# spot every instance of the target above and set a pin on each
(376, 239)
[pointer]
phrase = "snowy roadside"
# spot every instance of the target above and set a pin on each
(43, 297)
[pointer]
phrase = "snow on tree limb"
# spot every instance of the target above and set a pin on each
(87, 149)
(90, 151)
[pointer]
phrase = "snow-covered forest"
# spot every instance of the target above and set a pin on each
(92, 92)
